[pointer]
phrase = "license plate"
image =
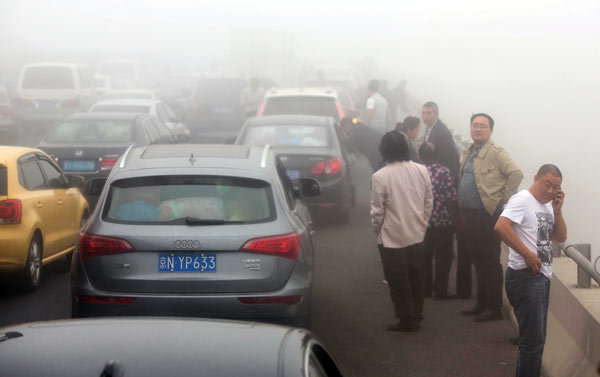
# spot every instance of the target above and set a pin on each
(187, 263)
(223, 110)
(293, 174)
(79, 165)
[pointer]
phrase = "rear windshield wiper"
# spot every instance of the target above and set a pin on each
(196, 221)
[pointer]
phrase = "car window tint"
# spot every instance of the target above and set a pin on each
(301, 136)
(3, 181)
(321, 106)
(171, 199)
(54, 176)
(48, 78)
(32, 175)
(91, 132)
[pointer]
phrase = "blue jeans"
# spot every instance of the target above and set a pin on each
(529, 295)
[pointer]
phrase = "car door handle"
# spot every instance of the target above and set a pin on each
(39, 204)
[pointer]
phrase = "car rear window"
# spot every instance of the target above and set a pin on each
(92, 131)
(302, 105)
(48, 78)
(3, 181)
(302, 136)
(174, 200)
(121, 109)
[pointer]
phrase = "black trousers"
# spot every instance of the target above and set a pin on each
(484, 247)
(439, 245)
(464, 263)
(403, 270)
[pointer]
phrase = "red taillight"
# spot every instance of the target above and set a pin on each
(10, 211)
(105, 300)
(270, 300)
(108, 162)
(6, 111)
(329, 167)
(339, 110)
(285, 245)
(91, 245)
(71, 102)
(261, 109)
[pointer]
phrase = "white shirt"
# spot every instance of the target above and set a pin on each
(379, 105)
(534, 224)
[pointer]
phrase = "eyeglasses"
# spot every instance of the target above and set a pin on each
(481, 126)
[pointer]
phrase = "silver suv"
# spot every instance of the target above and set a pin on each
(197, 230)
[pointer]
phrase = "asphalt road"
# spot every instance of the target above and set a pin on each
(351, 307)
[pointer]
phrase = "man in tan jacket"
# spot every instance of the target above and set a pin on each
(488, 178)
(401, 205)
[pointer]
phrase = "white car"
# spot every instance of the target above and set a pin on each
(158, 109)
(48, 92)
(302, 101)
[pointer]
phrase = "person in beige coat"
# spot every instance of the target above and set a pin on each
(401, 205)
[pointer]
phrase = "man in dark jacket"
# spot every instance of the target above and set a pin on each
(363, 139)
(438, 134)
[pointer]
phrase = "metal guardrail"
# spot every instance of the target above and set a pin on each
(586, 270)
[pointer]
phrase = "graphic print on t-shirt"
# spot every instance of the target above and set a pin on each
(544, 237)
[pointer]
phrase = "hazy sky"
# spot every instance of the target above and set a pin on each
(533, 65)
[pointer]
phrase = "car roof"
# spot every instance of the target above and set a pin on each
(150, 346)
(283, 120)
(302, 91)
(196, 155)
(104, 116)
(10, 154)
(128, 102)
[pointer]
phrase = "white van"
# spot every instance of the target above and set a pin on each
(48, 92)
(123, 73)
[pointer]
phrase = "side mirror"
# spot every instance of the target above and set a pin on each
(75, 180)
(94, 186)
(307, 187)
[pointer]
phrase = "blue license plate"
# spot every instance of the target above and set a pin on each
(79, 165)
(293, 174)
(187, 262)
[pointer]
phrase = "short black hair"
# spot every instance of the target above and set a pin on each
(549, 168)
(410, 123)
(434, 106)
(428, 153)
(485, 116)
(394, 147)
(373, 85)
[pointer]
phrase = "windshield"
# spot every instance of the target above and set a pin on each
(321, 106)
(48, 78)
(174, 199)
(301, 136)
(121, 109)
(92, 131)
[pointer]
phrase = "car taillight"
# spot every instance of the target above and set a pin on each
(329, 167)
(108, 162)
(105, 300)
(10, 211)
(6, 111)
(71, 102)
(91, 245)
(285, 245)
(339, 110)
(261, 109)
(270, 300)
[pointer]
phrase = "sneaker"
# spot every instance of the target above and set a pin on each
(474, 311)
(402, 326)
(488, 316)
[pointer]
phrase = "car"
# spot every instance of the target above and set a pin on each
(302, 101)
(130, 94)
(214, 112)
(158, 109)
(102, 84)
(310, 147)
(197, 230)
(181, 347)
(41, 212)
(10, 123)
(47, 92)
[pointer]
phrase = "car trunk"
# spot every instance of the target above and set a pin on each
(299, 162)
(82, 159)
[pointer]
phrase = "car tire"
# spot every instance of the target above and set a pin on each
(33, 267)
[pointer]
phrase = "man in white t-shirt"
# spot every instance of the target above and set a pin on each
(377, 108)
(529, 222)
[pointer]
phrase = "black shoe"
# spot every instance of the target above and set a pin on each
(403, 326)
(474, 311)
(488, 316)
(445, 296)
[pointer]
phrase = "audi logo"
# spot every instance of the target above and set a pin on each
(187, 244)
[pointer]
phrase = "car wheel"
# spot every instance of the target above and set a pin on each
(33, 266)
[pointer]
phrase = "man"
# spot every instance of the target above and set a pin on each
(488, 178)
(401, 205)
(365, 140)
(531, 219)
(438, 134)
(376, 107)
(252, 97)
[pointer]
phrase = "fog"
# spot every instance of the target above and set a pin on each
(532, 65)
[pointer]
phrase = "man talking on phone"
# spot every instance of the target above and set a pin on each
(529, 222)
